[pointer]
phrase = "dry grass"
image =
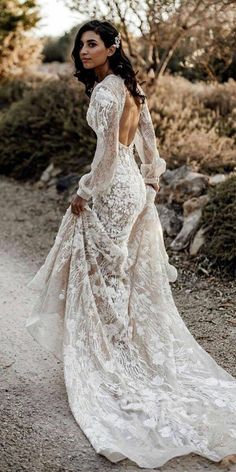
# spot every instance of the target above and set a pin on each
(43, 121)
(195, 123)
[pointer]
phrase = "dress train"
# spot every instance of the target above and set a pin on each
(138, 383)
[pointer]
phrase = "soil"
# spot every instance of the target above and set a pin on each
(38, 431)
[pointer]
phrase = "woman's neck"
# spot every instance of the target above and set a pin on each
(100, 74)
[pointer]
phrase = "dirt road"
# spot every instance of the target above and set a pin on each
(38, 432)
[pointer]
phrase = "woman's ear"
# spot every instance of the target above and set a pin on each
(111, 50)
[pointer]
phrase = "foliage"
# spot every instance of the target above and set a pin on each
(195, 123)
(13, 89)
(46, 125)
(219, 216)
(205, 28)
(59, 49)
(17, 49)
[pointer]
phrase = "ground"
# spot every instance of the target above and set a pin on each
(38, 432)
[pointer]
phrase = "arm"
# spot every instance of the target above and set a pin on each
(152, 165)
(105, 123)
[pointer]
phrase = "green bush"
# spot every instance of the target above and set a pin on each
(219, 216)
(47, 125)
(55, 50)
(59, 48)
(13, 89)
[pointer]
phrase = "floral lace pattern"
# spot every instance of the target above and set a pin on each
(138, 383)
(103, 115)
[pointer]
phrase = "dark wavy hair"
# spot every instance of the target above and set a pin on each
(119, 62)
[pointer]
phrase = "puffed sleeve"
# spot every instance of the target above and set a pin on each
(152, 165)
(104, 119)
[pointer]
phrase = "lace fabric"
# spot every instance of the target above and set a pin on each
(145, 142)
(138, 383)
(103, 115)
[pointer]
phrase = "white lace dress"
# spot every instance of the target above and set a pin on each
(138, 383)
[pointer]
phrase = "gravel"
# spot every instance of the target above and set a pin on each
(38, 431)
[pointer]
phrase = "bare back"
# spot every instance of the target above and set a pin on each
(129, 119)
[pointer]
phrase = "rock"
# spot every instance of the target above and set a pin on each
(174, 175)
(40, 184)
(190, 225)
(197, 242)
(181, 183)
(192, 184)
(194, 203)
(45, 177)
(217, 179)
(49, 172)
(171, 222)
(52, 182)
(55, 171)
(66, 182)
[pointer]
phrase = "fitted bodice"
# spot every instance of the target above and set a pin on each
(105, 116)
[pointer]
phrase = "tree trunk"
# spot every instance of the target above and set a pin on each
(168, 54)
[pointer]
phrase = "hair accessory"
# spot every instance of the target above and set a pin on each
(117, 40)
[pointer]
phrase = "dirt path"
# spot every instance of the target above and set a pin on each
(38, 431)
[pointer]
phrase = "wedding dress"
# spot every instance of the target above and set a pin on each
(139, 385)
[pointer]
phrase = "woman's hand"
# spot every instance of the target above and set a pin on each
(77, 205)
(155, 186)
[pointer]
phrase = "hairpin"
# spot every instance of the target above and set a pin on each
(117, 40)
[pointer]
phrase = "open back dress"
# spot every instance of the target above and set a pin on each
(138, 383)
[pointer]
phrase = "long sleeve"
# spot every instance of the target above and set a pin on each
(103, 117)
(152, 165)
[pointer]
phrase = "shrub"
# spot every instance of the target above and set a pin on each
(46, 125)
(219, 216)
(13, 89)
(59, 48)
(45, 122)
(195, 123)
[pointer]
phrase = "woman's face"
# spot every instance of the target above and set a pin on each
(93, 52)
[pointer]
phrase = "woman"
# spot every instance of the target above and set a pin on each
(138, 383)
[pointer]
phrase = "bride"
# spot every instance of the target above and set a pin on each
(139, 385)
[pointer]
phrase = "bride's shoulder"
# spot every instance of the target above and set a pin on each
(111, 86)
(112, 81)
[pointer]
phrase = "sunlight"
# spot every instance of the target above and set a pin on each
(56, 18)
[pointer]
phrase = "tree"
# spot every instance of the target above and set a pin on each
(59, 48)
(17, 48)
(217, 58)
(165, 25)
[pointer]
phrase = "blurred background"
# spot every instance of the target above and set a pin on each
(185, 51)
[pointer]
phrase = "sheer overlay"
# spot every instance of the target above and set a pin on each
(138, 383)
